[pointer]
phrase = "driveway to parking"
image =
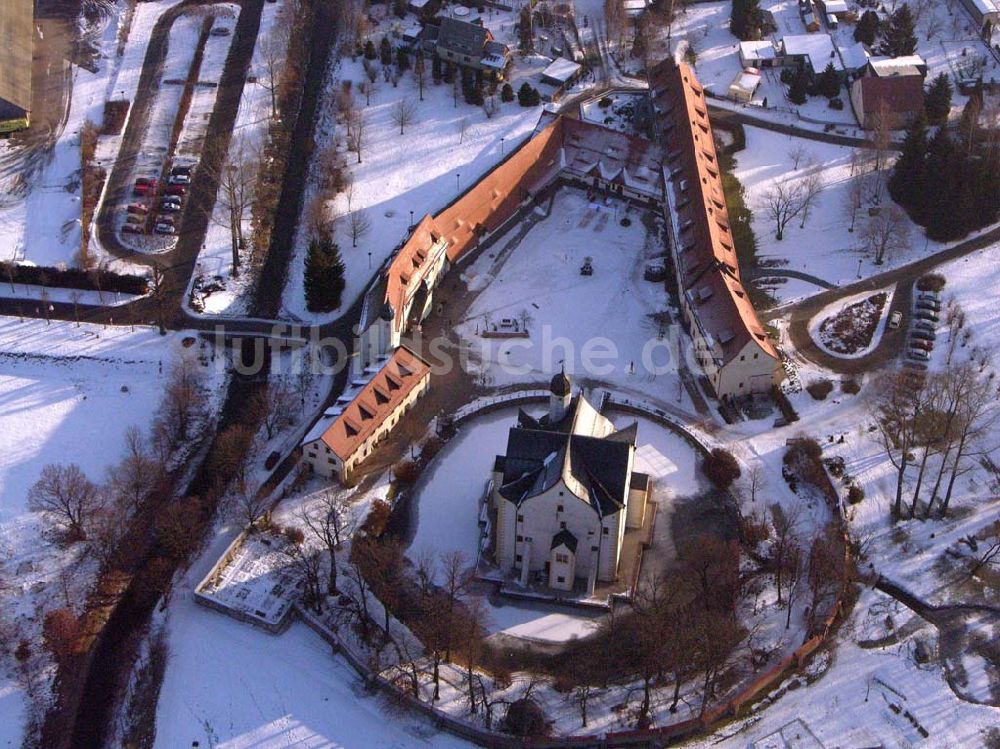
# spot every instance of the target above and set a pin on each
(799, 314)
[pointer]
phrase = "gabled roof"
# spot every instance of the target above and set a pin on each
(591, 458)
(17, 32)
(564, 538)
(898, 94)
(708, 266)
(404, 276)
(376, 400)
(462, 37)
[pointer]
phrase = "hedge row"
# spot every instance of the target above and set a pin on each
(74, 278)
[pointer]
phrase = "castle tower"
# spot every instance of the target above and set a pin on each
(560, 395)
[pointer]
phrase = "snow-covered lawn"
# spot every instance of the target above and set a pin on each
(824, 247)
(67, 395)
(445, 150)
(612, 326)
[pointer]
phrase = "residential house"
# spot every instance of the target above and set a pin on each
(759, 54)
(563, 494)
(896, 100)
(471, 45)
(744, 85)
(365, 414)
(17, 32)
(730, 345)
(813, 52)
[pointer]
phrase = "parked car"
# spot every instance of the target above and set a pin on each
(133, 229)
(135, 218)
(138, 208)
(165, 220)
(915, 353)
(181, 169)
(175, 190)
(272, 460)
(921, 344)
(219, 31)
(915, 365)
(172, 199)
(923, 335)
(165, 229)
(926, 314)
(167, 207)
(927, 304)
(926, 325)
(141, 191)
(179, 179)
(148, 181)
(933, 295)
(895, 319)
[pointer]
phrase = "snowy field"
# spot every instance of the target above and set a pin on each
(446, 149)
(608, 319)
(74, 391)
(824, 247)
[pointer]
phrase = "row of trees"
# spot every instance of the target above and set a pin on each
(944, 417)
(746, 19)
(949, 184)
(894, 37)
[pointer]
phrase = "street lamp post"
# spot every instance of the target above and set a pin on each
(860, 260)
(458, 182)
(411, 219)
(501, 148)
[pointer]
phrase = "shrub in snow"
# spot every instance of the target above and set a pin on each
(820, 389)
(524, 717)
(855, 494)
(377, 519)
(406, 471)
(850, 386)
(294, 535)
(721, 468)
(507, 93)
(931, 282)
(528, 96)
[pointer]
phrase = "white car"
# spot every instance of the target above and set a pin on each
(164, 229)
(179, 179)
(920, 354)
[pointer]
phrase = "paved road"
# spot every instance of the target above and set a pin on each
(759, 272)
(891, 344)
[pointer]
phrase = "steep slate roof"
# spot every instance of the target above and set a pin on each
(368, 410)
(594, 468)
(462, 37)
(17, 30)
(709, 268)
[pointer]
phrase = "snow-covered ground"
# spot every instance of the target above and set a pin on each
(67, 395)
(446, 149)
(824, 247)
(612, 326)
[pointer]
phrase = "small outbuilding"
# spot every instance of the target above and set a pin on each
(744, 85)
(561, 72)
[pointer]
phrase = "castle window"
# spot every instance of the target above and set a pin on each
(562, 559)
(561, 579)
(559, 508)
(562, 524)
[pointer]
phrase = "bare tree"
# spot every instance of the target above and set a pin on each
(782, 201)
(330, 521)
(796, 153)
(897, 409)
(463, 128)
(357, 131)
(812, 186)
(183, 399)
(786, 522)
(404, 111)
(853, 198)
(237, 178)
(273, 51)
(371, 85)
(75, 296)
(306, 561)
(358, 224)
(991, 551)
(249, 505)
(131, 480)
(67, 498)
(755, 478)
(273, 408)
(886, 234)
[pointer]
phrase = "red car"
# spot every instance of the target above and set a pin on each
(138, 208)
(176, 190)
(925, 345)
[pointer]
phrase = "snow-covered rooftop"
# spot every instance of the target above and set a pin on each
(818, 48)
(762, 49)
(561, 69)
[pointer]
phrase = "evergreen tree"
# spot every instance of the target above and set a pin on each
(507, 93)
(940, 212)
(898, 37)
(937, 100)
(828, 83)
(746, 19)
(436, 68)
(385, 51)
(324, 275)
(525, 37)
(906, 185)
(527, 96)
(402, 60)
(370, 53)
(799, 87)
(867, 28)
